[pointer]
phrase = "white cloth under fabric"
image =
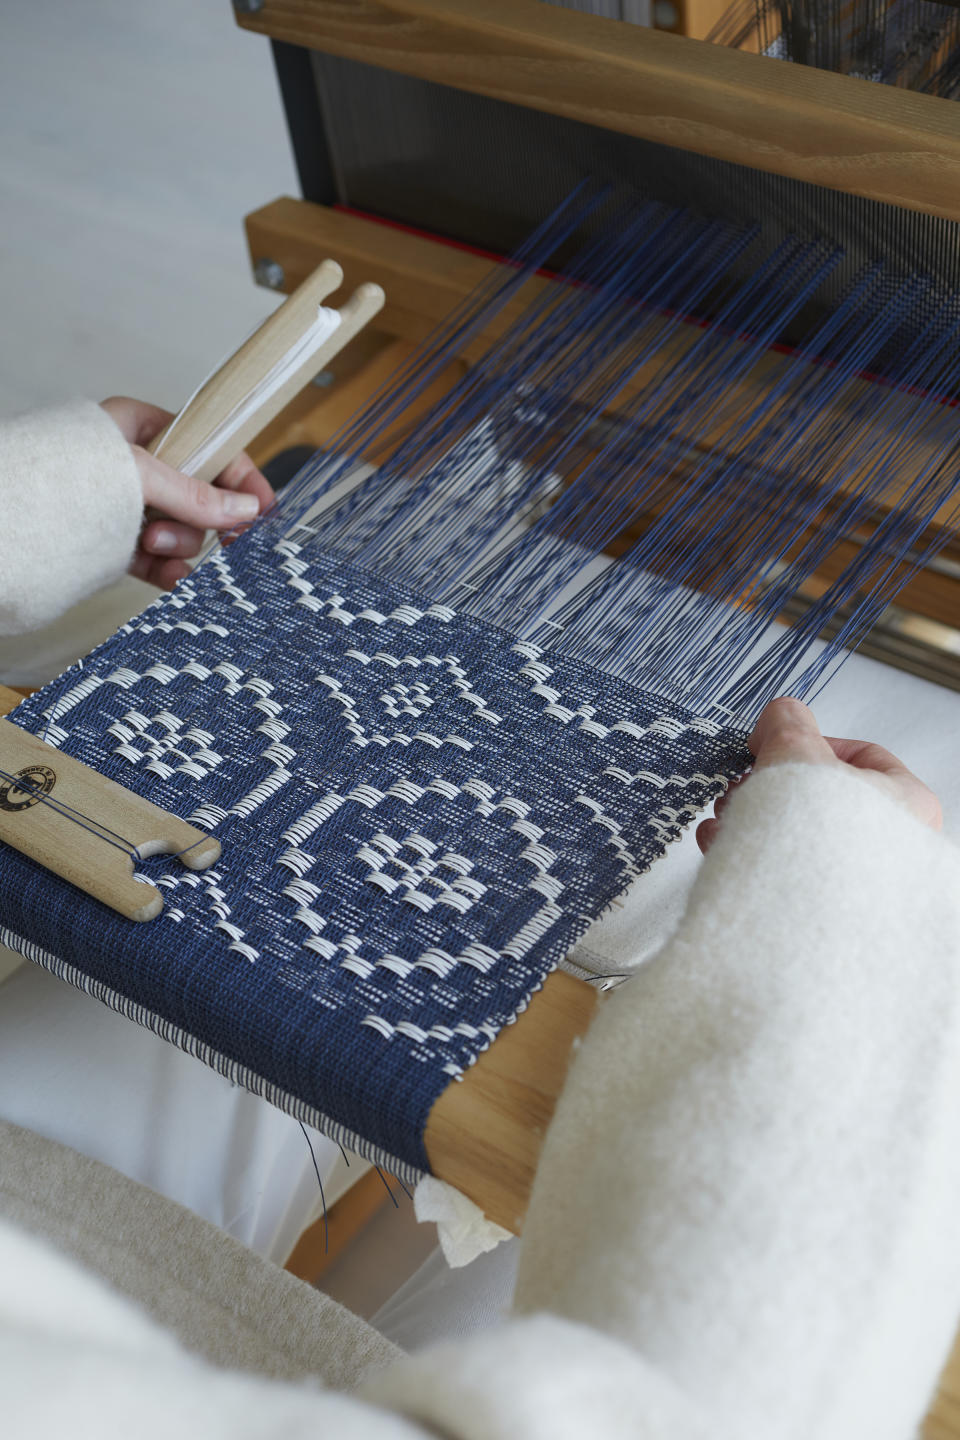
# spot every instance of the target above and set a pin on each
(438, 1303)
(70, 1069)
(743, 1225)
(76, 1072)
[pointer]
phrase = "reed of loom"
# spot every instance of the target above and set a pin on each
(843, 134)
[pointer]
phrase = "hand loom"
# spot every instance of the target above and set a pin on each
(505, 634)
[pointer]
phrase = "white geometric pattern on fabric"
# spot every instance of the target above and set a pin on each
(419, 816)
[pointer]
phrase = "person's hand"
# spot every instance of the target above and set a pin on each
(787, 733)
(179, 510)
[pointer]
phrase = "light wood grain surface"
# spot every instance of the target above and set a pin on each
(427, 279)
(696, 18)
(10, 698)
(846, 134)
(485, 1131)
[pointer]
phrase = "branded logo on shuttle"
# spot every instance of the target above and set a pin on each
(28, 787)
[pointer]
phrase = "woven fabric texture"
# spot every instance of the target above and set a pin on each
(419, 815)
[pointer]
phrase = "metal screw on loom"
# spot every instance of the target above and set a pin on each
(247, 7)
(269, 273)
(666, 16)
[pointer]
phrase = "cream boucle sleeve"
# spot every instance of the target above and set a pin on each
(78, 1360)
(753, 1176)
(72, 509)
(539, 1378)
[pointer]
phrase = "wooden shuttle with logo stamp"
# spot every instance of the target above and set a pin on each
(87, 829)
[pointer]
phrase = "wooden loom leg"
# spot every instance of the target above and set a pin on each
(323, 1242)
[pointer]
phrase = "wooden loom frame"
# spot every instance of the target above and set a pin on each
(878, 142)
(849, 135)
(846, 134)
(870, 140)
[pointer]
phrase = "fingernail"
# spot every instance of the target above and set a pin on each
(240, 507)
(163, 541)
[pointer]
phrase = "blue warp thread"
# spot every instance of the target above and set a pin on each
(419, 816)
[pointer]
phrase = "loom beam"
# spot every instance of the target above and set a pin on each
(832, 130)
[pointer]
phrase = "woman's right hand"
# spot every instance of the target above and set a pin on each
(788, 734)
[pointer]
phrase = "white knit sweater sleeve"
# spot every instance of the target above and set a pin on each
(71, 511)
(751, 1187)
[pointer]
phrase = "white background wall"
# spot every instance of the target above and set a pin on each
(134, 137)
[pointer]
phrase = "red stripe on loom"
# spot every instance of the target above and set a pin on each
(872, 376)
(495, 255)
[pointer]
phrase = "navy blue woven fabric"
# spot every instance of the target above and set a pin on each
(419, 815)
